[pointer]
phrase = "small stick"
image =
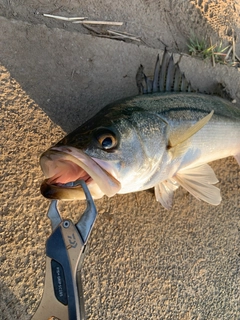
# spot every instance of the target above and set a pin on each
(111, 37)
(234, 48)
(63, 18)
(228, 53)
(112, 23)
(124, 32)
(123, 35)
(213, 58)
(100, 34)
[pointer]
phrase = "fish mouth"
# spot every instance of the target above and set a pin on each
(64, 165)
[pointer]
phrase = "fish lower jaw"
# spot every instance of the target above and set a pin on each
(60, 191)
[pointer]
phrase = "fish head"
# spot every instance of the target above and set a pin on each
(107, 152)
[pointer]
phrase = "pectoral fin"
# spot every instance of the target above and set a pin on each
(178, 143)
(237, 157)
(198, 181)
(164, 192)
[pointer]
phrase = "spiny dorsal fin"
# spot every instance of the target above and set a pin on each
(167, 77)
(156, 76)
(164, 71)
(171, 70)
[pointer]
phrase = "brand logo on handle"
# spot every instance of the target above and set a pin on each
(72, 241)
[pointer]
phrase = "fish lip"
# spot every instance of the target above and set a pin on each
(94, 173)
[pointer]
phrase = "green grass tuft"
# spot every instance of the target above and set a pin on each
(201, 47)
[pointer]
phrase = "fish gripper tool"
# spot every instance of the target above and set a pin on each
(63, 293)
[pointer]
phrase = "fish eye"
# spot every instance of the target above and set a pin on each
(106, 139)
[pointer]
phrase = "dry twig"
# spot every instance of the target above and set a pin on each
(234, 48)
(110, 23)
(63, 18)
(213, 58)
(124, 35)
(228, 53)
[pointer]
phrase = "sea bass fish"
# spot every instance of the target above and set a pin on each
(162, 140)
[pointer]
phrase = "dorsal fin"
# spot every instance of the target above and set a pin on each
(156, 76)
(164, 71)
(167, 77)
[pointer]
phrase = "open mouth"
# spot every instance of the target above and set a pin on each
(63, 165)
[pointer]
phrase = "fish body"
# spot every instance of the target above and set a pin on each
(160, 140)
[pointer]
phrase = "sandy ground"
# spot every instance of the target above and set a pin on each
(144, 262)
